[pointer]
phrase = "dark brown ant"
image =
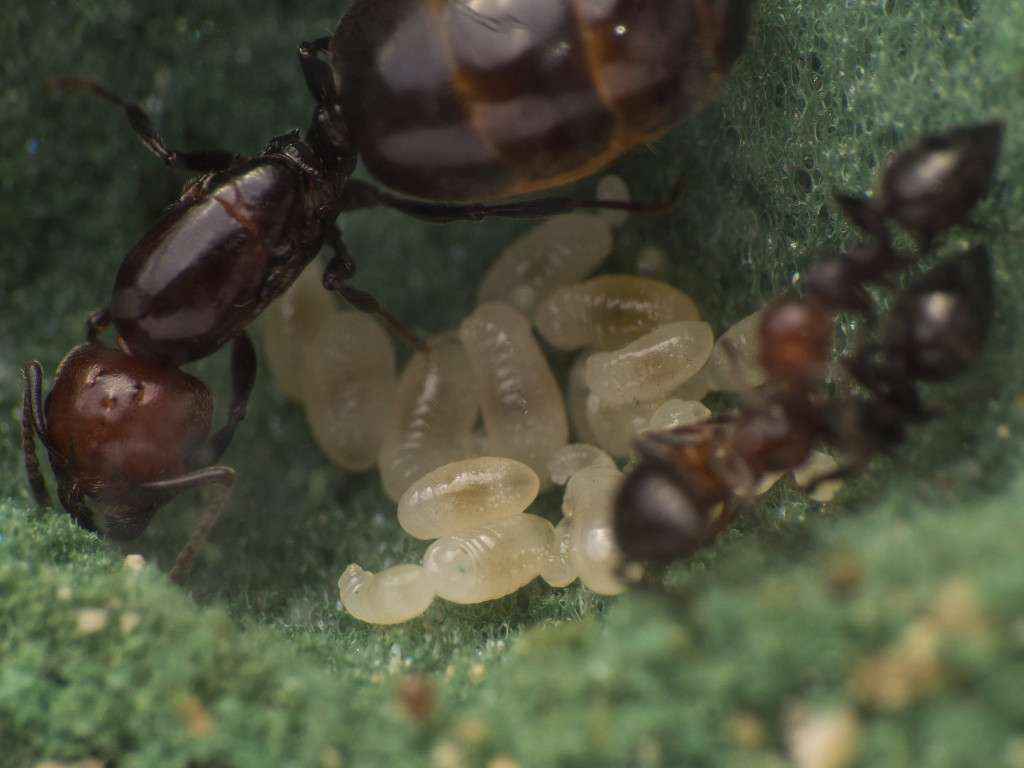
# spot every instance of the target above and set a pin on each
(409, 86)
(128, 434)
(691, 480)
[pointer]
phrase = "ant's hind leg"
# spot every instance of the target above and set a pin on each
(220, 481)
(243, 377)
(33, 423)
(359, 195)
(201, 161)
(340, 270)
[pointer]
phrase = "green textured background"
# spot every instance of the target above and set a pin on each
(258, 667)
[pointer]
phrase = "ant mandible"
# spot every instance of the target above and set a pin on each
(691, 480)
(126, 428)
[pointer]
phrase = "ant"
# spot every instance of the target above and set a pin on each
(690, 480)
(130, 434)
(128, 429)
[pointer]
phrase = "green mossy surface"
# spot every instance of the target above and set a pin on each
(256, 665)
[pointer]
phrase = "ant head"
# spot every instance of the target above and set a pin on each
(655, 518)
(116, 422)
(795, 340)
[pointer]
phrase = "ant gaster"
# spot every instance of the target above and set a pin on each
(690, 480)
(418, 104)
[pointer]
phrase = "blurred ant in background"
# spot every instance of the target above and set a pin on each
(692, 479)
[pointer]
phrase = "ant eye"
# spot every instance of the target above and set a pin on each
(655, 518)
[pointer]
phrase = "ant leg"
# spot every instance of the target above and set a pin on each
(202, 161)
(358, 194)
(33, 422)
(74, 502)
(340, 269)
(862, 214)
(886, 382)
(220, 480)
(319, 75)
(243, 376)
(96, 323)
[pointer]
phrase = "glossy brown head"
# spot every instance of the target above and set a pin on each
(796, 340)
(115, 421)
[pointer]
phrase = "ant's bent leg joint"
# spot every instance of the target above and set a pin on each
(96, 323)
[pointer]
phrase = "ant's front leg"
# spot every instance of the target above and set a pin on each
(200, 161)
(33, 423)
(220, 480)
(243, 377)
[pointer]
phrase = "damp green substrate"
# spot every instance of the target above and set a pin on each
(256, 666)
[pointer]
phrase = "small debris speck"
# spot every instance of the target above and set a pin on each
(416, 695)
(91, 620)
(747, 731)
(329, 758)
(198, 721)
(472, 732)
(823, 739)
(129, 622)
(447, 755)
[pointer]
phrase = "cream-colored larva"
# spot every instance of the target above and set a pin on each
(818, 464)
(572, 458)
(734, 364)
(652, 366)
(612, 188)
(434, 417)
(464, 494)
(392, 596)
(588, 505)
(616, 427)
(521, 402)
(678, 413)
(610, 311)
(561, 251)
(349, 390)
(289, 324)
(491, 560)
(559, 569)
(576, 400)
(652, 262)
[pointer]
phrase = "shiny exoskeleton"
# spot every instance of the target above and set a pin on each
(486, 99)
(446, 100)
(691, 479)
(127, 434)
